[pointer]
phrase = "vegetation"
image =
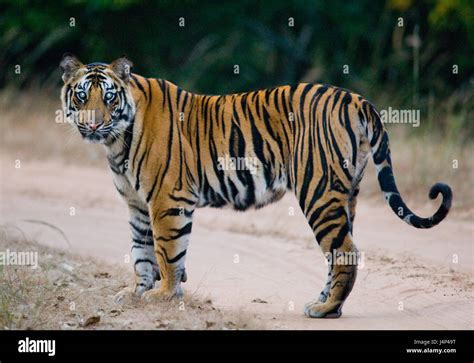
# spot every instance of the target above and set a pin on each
(399, 53)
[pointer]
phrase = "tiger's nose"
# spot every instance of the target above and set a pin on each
(95, 121)
(94, 125)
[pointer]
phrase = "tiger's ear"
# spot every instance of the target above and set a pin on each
(122, 68)
(69, 65)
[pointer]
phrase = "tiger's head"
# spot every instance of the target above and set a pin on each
(96, 98)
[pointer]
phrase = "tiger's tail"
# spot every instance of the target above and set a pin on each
(378, 138)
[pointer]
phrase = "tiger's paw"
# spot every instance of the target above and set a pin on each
(157, 295)
(126, 296)
(318, 309)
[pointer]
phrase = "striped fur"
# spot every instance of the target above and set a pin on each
(166, 148)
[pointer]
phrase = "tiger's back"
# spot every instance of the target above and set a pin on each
(250, 148)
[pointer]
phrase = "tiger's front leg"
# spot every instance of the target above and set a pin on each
(171, 223)
(142, 253)
(143, 257)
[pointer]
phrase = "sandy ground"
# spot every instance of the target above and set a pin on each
(67, 291)
(266, 262)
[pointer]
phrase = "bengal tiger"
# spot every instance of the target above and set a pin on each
(165, 147)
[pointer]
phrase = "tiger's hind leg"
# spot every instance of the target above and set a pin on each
(332, 229)
(352, 206)
(352, 209)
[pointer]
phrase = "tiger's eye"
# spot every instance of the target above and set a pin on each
(109, 96)
(81, 95)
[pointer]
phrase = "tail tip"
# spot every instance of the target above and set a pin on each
(445, 191)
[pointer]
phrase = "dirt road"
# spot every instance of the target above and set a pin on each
(263, 262)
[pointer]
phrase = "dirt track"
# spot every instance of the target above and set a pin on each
(407, 280)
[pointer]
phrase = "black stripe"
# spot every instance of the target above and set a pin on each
(383, 150)
(347, 100)
(137, 181)
(321, 234)
(143, 212)
(318, 211)
(139, 85)
(128, 140)
(177, 212)
(141, 231)
(121, 192)
(339, 239)
(152, 190)
(170, 140)
(143, 242)
(177, 258)
(332, 215)
(182, 199)
(179, 232)
(143, 260)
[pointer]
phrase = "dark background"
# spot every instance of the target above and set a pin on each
(409, 66)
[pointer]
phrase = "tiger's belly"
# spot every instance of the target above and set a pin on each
(242, 189)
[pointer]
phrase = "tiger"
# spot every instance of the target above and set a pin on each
(166, 149)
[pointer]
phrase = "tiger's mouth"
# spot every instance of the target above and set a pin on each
(94, 138)
(98, 136)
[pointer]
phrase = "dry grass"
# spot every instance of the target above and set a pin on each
(419, 160)
(70, 292)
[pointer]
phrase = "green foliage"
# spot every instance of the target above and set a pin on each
(256, 36)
